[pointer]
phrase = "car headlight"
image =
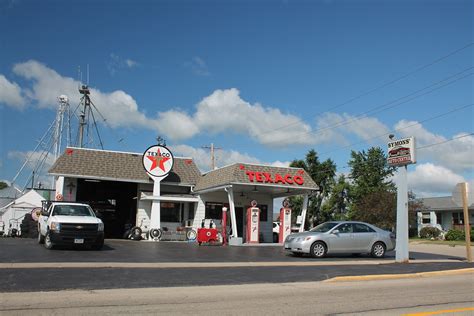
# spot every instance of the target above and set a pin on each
(55, 226)
(100, 227)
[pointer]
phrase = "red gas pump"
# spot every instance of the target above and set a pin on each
(253, 223)
(224, 226)
(285, 221)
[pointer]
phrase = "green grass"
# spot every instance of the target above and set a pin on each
(440, 242)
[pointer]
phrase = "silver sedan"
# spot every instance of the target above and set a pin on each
(341, 237)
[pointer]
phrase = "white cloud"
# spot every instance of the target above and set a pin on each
(116, 63)
(333, 127)
(455, 154)
(10, 93)
(118, 107)
(224, 111)
(198, 66)
(429, 179)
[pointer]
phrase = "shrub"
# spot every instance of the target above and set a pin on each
(429, 232)
(455, 234)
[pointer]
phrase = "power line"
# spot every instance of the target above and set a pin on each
(389, 105)
(418, 148)
(402, 128)
(378, 87)
(446, 141)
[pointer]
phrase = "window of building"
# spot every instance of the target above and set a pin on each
(458, 218)
(214, 210)
(439, 218)
(263, 213)
(425, 218)
(170, 212)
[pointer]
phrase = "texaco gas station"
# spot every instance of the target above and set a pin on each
(162, 194)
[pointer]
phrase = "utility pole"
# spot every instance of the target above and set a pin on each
(213, 159)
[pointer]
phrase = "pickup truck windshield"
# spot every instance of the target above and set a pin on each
(72, 210)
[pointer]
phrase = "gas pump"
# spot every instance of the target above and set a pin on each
(285, 221)
(224, 226)
(253, 223)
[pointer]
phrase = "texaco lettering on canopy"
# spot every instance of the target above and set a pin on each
(265, 177)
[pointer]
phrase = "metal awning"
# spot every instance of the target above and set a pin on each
(169, 198)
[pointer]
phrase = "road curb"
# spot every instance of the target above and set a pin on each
(400, 276)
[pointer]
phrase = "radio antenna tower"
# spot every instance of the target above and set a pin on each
(85, 116)
(51, 141)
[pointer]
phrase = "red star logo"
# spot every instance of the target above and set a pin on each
(158, 161)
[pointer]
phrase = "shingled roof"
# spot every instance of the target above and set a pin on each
(237, 174)
(444, 203)
(121, 166)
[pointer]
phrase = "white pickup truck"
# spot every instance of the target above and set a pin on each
(69, 223)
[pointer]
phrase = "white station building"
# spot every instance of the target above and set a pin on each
(117, 186)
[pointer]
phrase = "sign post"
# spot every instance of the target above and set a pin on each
(401, 153)
(158, 162)
(461, 197)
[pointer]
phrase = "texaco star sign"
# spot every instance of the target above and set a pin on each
(158, 161)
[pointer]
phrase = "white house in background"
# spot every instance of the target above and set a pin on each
(441, 212)
(12, 214)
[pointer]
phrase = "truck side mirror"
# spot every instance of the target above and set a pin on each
(44, 213)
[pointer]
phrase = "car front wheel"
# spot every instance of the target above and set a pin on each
(378, 250)
(318, 250)
(47, 241)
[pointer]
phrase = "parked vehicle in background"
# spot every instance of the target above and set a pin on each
(341, 237)
(68, 223)
(276, 231)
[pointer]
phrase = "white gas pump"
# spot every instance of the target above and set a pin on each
(285, 221)
(253, 223)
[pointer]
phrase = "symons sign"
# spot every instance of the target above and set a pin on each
(401, 152)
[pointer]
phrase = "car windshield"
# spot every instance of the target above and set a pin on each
(72, 210)
(324, 227)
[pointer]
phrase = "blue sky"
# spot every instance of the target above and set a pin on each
(264, 80)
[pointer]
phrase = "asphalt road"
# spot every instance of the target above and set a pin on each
(26, 266)
(14, 250)
(443, 295)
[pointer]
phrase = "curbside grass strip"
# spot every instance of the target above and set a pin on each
(400, 276)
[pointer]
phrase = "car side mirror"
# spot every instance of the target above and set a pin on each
(45, 213)
(335, 232)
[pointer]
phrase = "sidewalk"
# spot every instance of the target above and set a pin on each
(444, 250)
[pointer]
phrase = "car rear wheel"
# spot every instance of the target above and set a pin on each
(318, 250)
(47, 241)
(378, 250)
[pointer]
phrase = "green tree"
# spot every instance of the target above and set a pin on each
(3, 185)
(323, 174)
(372, 193)
(378, 208)
(336, 206)
(414, 205)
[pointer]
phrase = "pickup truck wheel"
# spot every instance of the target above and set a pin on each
(47, 241)
(40, 238)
